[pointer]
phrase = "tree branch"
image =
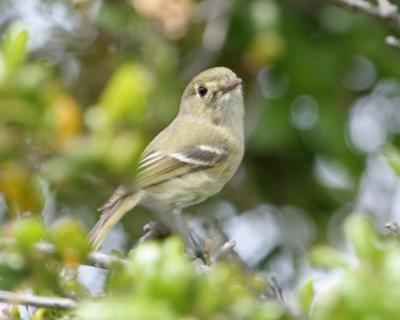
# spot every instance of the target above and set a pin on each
(226, 248)
(386, 7)
(393, 227)
(386, 11)
(29, 299)
(393, 42)
(95, 259)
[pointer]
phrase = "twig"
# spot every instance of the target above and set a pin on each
(393, 227)
(393, 42)
(386, 7)
(95, 259)
(288, 303)
(386, 11)
(104, 261)
(36, 301)
(226, 248)
(210, 256)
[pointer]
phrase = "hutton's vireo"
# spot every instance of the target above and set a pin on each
(192, 158)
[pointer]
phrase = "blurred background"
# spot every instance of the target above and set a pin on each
(84, 86)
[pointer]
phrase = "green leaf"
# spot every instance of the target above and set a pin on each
(28, 231)
(13, 50)
(126, 92)
(325, 256)
(306, 296)
(70, 241)
(361, 232)
(160, 274)
(393, 157)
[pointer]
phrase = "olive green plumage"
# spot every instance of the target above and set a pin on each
(191, 159)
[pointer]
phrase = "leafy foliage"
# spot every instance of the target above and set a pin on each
(367, 287)
(159, 281)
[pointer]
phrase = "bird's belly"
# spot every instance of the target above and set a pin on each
(184, 191)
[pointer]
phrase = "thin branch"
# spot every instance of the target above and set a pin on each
(104, 261)
(287, 302)
(95, 259)
(29, 299)
(386, 11)
(393, 227)
(393, 42)
(226, 248)
(386, 7)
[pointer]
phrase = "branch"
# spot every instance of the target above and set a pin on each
(29, 299)
(386, 7)
(287, 302)
(95, 259)
(386, 11)
(226, 248)
(393, 227)
(393, 42)
(104, 261)
(212, 254)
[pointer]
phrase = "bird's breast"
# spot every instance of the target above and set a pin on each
(188, 189)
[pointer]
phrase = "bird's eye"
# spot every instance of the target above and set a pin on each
(202, 91)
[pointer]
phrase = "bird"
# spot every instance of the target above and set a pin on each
(192, 158)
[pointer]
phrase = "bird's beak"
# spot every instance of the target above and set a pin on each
(231, 84)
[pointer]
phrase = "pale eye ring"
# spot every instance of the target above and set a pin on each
(202, 91)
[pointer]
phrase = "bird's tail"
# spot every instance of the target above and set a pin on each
(112, 212)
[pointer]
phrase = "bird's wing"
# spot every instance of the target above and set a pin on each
(159, 166)
(118, 194)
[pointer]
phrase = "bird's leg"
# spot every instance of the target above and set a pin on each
(154, 230)
(193, 245)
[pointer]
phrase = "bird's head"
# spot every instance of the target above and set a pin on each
(215, 92)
